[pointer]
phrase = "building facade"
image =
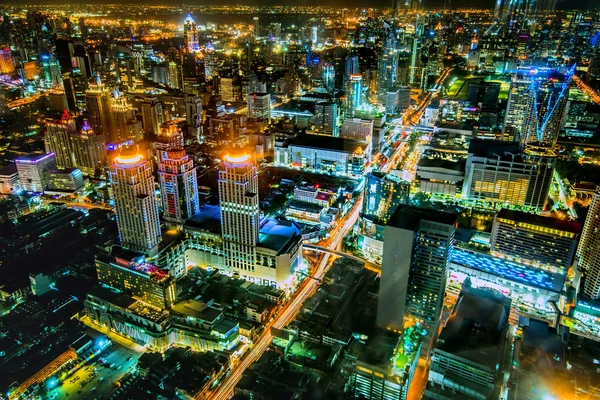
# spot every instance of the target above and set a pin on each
(178, 185)
(33, 171)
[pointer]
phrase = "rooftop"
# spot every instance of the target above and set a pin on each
(328, 143)
(278, 235)
(33, 158)
(408, 217)
(208, 218)
(494, 149)
(548, 222)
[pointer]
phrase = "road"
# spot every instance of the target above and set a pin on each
(414, 117)
(289, 312)
(562, 190)
(587, 90)
(77, 204)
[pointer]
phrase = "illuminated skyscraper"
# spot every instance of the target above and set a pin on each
(178, 185)
(383, 193)
(388, 64)
(97, 100)
(125, 124)
(51, 71)
(238, 195)
(190, 34)
(354, 94)
(168, 136)
(351, 67)
(328, 76)
(588, 252)
(135, 204)
(7, 65)
(58, 140)
(89, 149)
(152, 115)
(416, 254)
(536, 104)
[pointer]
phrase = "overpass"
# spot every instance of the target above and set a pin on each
(368, 264)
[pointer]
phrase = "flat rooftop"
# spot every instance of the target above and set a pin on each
(494, 148)
(408, 217)
(328, 143)
(278, 235)
(548, 222)
(208, 218)
(475, 330)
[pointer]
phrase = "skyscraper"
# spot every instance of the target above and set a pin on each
(388, 64)
(89, 149)
(178, 185)
(354, 95)
(58, 137)
(238, 195)
(416, 254)
(326, 117)
(7, 65)
(259, 106)
(152, 115)
(168, 136)
(97, 101)
(588, 252)
(51, 71)
(328, 76)
(190, 34)
(383, 193)
(135, 204)
(351, 67)
(125, 124)
(536, 104)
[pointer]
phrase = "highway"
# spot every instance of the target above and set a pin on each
(587, 90)
(291, 309)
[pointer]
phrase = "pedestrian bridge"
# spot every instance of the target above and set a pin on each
(368, 264)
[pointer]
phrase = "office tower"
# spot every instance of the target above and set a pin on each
(67, 180)
(230, 89)
(64, 51)
(51, 72)
(178, 185)
(152, 115)
(414, 64)
(131, 273)
(547, 243)
(387, 73)
(175, 75)
(190, 34)
(210, 63)
(354, 95)
(357, 128)
(536, 104)
(160, 74)
(326, 117)
(57, 140)
(238, 196)
(58, 101)
(33, 171)
(97, 102)
(351, 67)
(501, 172)
(70, 92)
(469, 356)
(7, 65)
(416, 254)
(383, 193)
(392, 101)
(193, 110)
(89, 150)
(83, 30)
(259, 106)
(135, 204)
(125, 124)
(588, 252)
(256, 22)
(314, 36)
(328, 76)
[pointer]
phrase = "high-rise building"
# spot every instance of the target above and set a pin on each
(10, 182)
(351, 67)
(328, 76)
(178, 185)
(169, 136)
(190, 34)
(193, 111)
(259, 106)
(536, 105)
(7, 66)
(387, 74)
(89, 149)
(469, 355)
(97, 101)
(58, 140)
(545, 242)
(125, 124)
(129, 272)
(240, 213)
(33, 170)
(210, 62)
(175, 75)
(152, 115)
(383, 193)
(67, 180)
(354, 94)
(501, 172)
(135, 203)
(588, 252)
(416, 255)
(51, 71)
(326, 118)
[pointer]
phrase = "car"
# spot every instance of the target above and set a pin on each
(93, 389)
